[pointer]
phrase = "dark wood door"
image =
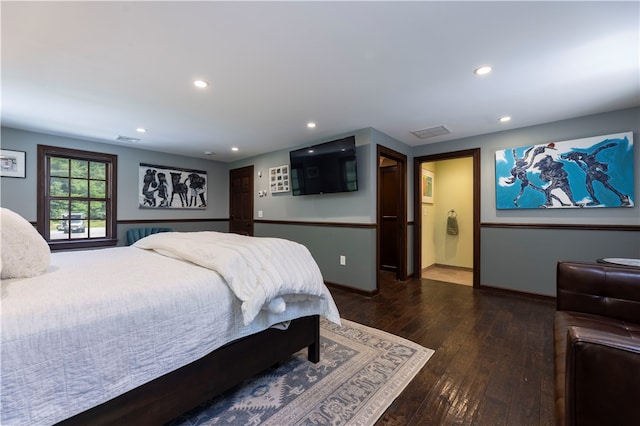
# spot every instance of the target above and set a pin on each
(390, 226)
(241, 201)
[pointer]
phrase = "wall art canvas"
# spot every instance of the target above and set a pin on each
(427, 186)
(163, 187)
(581, 173)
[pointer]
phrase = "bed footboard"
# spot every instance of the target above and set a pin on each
(177, 392)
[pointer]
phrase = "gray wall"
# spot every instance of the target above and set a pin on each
(351, 207)
(582, 127)
(524, 259)
(326, 243)
(521, 259)
(20, 194)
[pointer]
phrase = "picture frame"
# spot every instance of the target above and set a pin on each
(161, 187)
(592, 172)
(427, 186)
(279, 179)
(13, 163)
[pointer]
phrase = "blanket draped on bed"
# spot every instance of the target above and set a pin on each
(264, 273)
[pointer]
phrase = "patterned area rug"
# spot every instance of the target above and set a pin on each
(361, 371)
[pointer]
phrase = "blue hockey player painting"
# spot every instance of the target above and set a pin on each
(581, 173)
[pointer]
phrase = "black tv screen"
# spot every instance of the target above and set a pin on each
(325, 168)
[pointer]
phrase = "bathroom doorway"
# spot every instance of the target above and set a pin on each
(447, 225)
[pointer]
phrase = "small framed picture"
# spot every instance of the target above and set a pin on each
(279, 179)
(12, 163)
(427, 186)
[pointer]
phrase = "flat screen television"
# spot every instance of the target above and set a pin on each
(326, 168)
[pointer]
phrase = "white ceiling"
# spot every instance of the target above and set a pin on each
(99, 70)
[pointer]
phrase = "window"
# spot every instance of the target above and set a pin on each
(76, 197)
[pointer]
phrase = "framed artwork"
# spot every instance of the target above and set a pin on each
(427, 186)
(12, 163)
(279, 179)
(580, 173)
(161, 187)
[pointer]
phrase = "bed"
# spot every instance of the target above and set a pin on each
(141, 334)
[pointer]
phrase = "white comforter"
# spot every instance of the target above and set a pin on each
(261, 272)
(102, 322)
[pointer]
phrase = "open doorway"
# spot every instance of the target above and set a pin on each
(447, 226)
(392, 212)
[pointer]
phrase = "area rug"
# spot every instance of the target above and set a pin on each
(361, 371)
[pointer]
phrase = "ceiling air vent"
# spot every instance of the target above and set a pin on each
(127, 139)
(431, 132)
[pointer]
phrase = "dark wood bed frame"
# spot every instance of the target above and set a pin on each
(165, 398)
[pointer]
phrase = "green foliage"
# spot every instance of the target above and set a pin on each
(80, 183)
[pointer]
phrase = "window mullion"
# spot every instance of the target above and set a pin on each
(87, 174)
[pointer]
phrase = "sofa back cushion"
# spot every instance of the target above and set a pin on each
(599, 289)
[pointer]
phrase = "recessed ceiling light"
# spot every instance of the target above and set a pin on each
(141, 130)
(504, 119)
(201, 84)
(483, 70)
(311, 125)
(234, 149)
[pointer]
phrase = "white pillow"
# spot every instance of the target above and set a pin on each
(24, 252)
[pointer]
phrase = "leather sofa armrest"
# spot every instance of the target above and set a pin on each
(602, 381)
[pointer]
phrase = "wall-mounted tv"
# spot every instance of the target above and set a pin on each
(325, 168)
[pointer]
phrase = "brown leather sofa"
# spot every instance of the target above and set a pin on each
(597, 345)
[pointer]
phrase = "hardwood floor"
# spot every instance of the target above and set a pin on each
(493, 363)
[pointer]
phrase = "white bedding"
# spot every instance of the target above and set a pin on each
(259, 271)
(102, 322)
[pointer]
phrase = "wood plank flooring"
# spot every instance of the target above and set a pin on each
(493, 363)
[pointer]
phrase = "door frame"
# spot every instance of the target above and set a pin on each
(401, 160)
(417, 207)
